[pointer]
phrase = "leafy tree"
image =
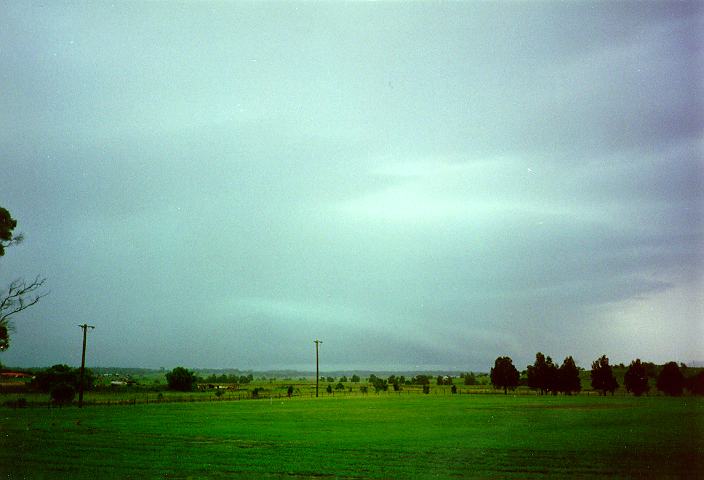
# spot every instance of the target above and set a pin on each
(671, 381)
(355, 379)
(339, 386)
(379, 384)
(63, 394)
(602, 375)
(364, 389)
(636, 378)
(343, 379)
(695, 384)
(421, 380)
(470, 379)
(329, 389)
(568, 377)
(440, 380)
(543, 374)
(20, 294)
(289, 391)
(180, 379)
(504, 374)
(454, 389)
(46, 380)
(426, 389)
(7, 225)
(330, 379)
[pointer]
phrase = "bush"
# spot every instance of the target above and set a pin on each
(219, 392)
(426, 389)
(671, 381)
(180, 379)
(63, 394)
(46, 380)
(257, 391)
(19, 403)
(454, 389)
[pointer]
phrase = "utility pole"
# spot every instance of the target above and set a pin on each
(317, 370)
(85, 328)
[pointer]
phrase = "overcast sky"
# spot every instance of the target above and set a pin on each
(419, 185)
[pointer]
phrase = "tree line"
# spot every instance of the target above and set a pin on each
(547, 377)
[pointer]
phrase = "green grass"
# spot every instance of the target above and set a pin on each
(386, 436)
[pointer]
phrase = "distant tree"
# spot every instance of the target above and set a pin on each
(289, 391)
(670, 381)
(454, 389)
(426, 388)
(46, 380)
(364, 389)
(602, 375)
(180, 379)
(355, 379)
(470, 379)
(329, 389)
(504, 374)
(63, 394)
(343, 379)
(568, 377)
(339, 386)
(439, 380)
(542, 375)
(421, 380)
(380, 385)
(330, 379)
(636, 378)
(695, 383)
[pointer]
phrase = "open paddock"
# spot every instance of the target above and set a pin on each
(384, 436)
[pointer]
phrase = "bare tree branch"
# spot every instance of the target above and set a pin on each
(20, 296)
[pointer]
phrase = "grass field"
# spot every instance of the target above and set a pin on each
(413, 436)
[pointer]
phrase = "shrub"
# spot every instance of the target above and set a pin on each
(63, 394)
(180, 379)
(671, 380)
(426, 389)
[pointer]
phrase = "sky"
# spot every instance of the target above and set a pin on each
(423, 185)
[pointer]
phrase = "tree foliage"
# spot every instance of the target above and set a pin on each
(504, 374)
(63, 394)
(20, 294)
(543, 374)
(568, 381)
(469, 378)
(671, 381)
(602, 375)
(46, 380)
(7, 225)
(695, 383)
(636, 378)
(180, 379)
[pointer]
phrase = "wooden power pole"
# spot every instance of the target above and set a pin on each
(85, 328)
(317, 370)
